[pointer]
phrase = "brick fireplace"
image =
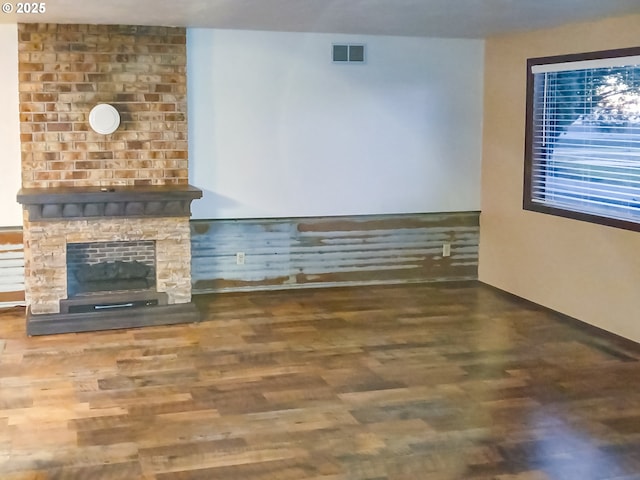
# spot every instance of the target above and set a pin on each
(83, 187)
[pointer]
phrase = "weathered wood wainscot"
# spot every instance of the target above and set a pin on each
(11, 267)
(333, 251)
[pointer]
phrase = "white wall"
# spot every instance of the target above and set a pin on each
(277, 130)
(10, 181)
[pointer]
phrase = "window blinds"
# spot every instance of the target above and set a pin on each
(586, 137)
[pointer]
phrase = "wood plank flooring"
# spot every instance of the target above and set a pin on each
(448, 381)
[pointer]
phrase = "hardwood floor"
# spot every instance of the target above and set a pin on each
(376, 383)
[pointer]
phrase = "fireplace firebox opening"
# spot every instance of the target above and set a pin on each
(110, 267)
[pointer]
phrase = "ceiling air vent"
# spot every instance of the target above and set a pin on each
(348, 53)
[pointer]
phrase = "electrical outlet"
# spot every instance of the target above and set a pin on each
(446, 249)
(240, 258)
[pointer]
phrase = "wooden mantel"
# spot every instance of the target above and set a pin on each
(68, 203)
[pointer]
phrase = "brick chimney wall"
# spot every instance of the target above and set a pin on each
(65, 70)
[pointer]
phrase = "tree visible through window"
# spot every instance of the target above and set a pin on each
(583, 137)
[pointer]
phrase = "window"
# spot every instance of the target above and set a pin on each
(582, 153)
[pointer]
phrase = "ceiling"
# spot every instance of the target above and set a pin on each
(428, 18)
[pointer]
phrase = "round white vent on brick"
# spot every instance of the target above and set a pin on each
(104, 118)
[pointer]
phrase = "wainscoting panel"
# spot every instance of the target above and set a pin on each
(359, 250)
(11, 268)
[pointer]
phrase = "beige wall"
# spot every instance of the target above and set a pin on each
(588, 271)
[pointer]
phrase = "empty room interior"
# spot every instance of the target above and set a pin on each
(340, 240)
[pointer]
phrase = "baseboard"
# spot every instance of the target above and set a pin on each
(618, 340)
(305, 286)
